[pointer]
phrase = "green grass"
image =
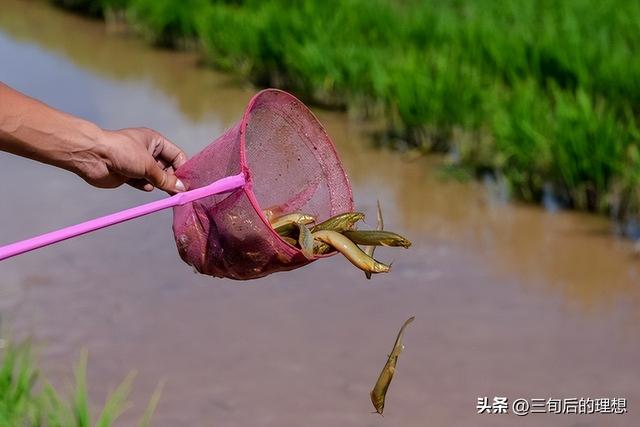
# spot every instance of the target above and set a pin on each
(26, 401)
(546, 92)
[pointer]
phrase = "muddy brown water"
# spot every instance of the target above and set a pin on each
(509, 300)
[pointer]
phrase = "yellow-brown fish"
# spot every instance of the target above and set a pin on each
(305, 240)
(369, 250)
(377, 238)
(341, 222)
(291, 218)
(289, 240)
(351, 251)
(379, 391)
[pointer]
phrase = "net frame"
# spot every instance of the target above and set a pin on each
(229, 235)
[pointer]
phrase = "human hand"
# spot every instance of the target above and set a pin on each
(140, 157)
(137, 156)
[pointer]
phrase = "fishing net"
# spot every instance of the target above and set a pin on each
(290, 165)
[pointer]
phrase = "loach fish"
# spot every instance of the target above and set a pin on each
(291, 218)
(289, 240)
(339, 223)
(291, 229)
(305, 240)
(377, 238)
(369, 250)
(337, 233)
(379, 391)
(351, 251)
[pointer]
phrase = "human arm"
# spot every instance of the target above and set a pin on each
(103, 158)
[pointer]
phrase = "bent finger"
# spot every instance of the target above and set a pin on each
(162, 179)
(169, 153)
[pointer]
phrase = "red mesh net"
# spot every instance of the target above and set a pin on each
(290, 164)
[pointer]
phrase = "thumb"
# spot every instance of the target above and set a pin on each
(161, 179)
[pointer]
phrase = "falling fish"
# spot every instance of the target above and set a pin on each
(382, 385)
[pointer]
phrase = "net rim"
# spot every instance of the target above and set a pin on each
(248, 187)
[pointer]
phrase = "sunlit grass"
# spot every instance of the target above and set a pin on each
(25, 400)
(549, 87)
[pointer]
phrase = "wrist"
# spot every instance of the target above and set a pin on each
(83, 149)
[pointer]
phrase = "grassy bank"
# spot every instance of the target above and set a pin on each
(27, 401)
(543, 92)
